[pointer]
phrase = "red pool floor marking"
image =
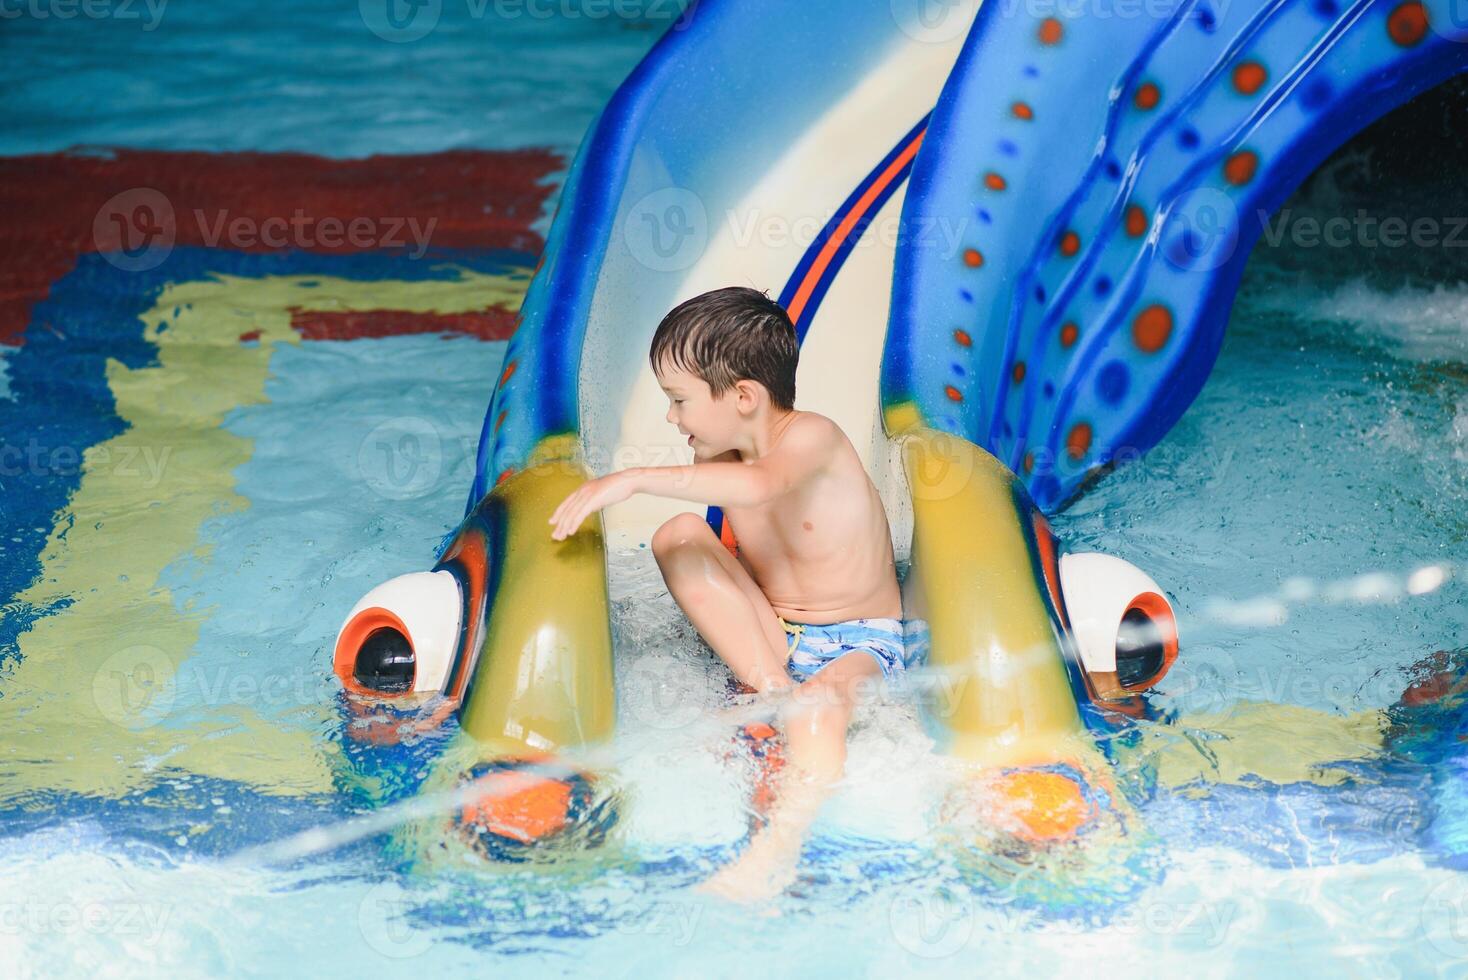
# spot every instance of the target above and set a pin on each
(486, 324)
(476, 199)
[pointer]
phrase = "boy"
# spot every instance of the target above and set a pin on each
(812, 596)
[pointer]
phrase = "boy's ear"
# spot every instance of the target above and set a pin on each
(749, 392)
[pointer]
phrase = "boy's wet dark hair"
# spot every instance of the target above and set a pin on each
(728, 335)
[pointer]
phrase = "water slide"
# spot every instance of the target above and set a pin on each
(1009, 241)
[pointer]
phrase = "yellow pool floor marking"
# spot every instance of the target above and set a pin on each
(1278, 743)
(88, 706)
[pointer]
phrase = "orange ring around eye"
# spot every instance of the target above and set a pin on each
(469, 551)
(362, 625)
(1159, 612)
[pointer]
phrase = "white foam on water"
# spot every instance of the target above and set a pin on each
(1418, 323)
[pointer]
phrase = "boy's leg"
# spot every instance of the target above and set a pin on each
(724, 604)
(815, 720)
(820, 712)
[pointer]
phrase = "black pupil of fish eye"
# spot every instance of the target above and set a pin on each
(1139, 648)
(385, 662)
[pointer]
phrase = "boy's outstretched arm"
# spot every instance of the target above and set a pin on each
(720, 484)
(804, 450)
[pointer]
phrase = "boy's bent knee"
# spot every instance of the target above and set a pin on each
(679, 530)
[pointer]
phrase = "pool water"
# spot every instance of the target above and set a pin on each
(251, 442)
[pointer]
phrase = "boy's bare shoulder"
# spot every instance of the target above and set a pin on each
(812, 432)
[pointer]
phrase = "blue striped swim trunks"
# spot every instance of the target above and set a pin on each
(814, 645)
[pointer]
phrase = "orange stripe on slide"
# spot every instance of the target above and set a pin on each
(818, 267)
(823, 260)
(726, 536)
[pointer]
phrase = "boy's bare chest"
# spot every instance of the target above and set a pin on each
(807, 530)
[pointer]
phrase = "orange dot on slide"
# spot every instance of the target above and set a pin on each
(963, 338)
(1078, 440)
(1050, 31)
(1136, 221)
(973, 258)
(1147, 96)
(1022, 110)
(1249, 76)
(1239, 167)
(1407, 24)
(1070, 243)
(1068, 333)
(953, 393)
(1019, 371)
(1151, 328)
(994, 182)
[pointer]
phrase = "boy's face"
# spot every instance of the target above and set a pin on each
(711, 424)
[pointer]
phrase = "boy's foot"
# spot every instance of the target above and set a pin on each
(753, 877)
(760, 872)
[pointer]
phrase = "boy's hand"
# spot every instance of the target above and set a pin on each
(591, 496)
